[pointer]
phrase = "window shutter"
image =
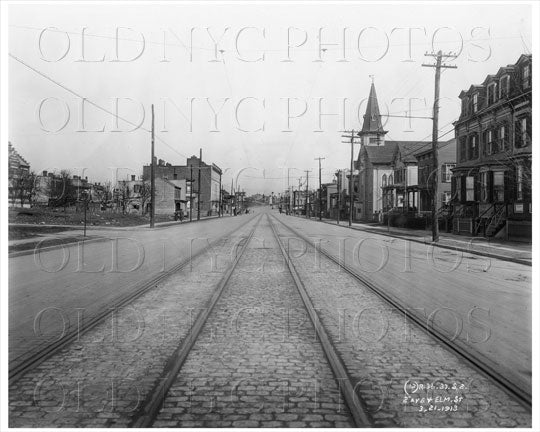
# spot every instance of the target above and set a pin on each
(517, 132)
(510, 185)
(529, 129)
(476, 186)
(489, 179)
(463, 186)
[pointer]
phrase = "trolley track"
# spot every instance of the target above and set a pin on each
(155, 400)
(500, 381)
(139, 290)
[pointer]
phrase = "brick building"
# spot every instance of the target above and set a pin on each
(492, 186)
(208, 191)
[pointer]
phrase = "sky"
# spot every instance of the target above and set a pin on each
(250, 85)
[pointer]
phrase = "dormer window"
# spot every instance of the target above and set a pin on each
(504, 86)
(526, 76)
(475, 103)
(492, 92)
(464, 103)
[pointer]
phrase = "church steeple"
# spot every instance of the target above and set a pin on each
(372, 132)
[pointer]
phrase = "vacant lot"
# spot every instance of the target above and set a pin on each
(70, 216)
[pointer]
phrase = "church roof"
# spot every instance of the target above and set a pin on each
(382, 155)
(372, 117)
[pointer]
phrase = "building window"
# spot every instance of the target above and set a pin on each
(475, 103)
(484, 186)
(492, 92)
(522, 132)
(390, 179)
(473, 147)
(489, 142)
(462, 149)
(469, 188)
(384, 180)
(519, 183)
(175, 176)
(526, 76)
(502, 138)
(498, 186)
(464, 103)
(446, 197)
(446, 172)
(504, 86)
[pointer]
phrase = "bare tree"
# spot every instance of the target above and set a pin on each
(124, 195)
(144, 194)
(23, 188)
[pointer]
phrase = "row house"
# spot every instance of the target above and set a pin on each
(446, 157)
(492, 188)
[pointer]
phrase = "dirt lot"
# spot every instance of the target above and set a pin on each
(48, 216)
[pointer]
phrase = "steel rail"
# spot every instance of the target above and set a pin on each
(34, 360)
(520, 395)
(149, 409)
(357, 407)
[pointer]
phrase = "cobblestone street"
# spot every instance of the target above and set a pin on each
(257, 360)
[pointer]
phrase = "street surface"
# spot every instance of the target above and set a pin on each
(257, 360)
(484, 303)
(51, 291)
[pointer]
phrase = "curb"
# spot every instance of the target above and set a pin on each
(442, 246)
(94, 240)
(54, 247)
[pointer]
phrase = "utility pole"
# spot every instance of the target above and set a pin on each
(152, 178)
(191, 193)
(219, 204)
(351, 140)
(338, 194)
(435, 156)
(298, 192)
(307, 192)
(320, 187)
(199, 187)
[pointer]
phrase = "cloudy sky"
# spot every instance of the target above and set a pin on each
(249, 84)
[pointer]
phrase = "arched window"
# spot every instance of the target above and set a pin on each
(384, 180)
(391, 179)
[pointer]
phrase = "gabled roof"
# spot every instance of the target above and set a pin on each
(428, 148)
(409, 148)
(15, 157)
(381, 155)
(372, 117)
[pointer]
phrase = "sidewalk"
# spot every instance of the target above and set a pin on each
(494, 248)
(73, 234)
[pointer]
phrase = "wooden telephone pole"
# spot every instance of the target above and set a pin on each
(307, 192)
(435, 157)
(199, 187)
(320, 187)
(351, 138)
(152, 178)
